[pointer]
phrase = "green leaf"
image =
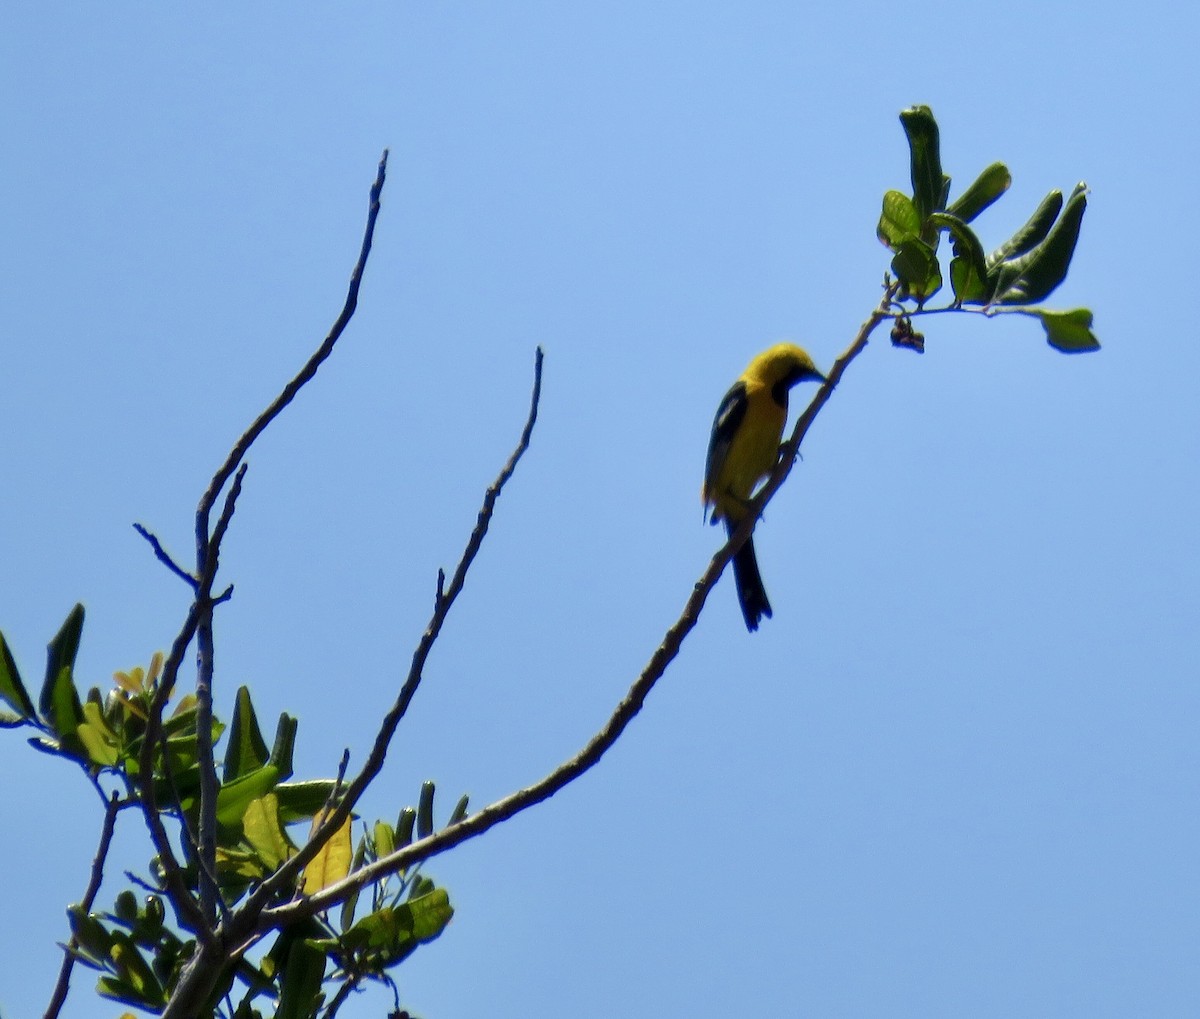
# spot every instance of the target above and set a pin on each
(925, 160)
(1068, 331)
(12, 690)
(1034, 276)
(299, 801)
(99, 741)
(123, 991)
(430, 914)
(404, 827)
(285, 742)
(385, 937)
(64, 714)
(246, 751)
(916, 267)
(350, 904)
(125, 907)
(968, 273)
(898, 221)
(133, 970)
(300, 994)
(1032, 233)
(262, 829)
(459, 811)
(60, 655)
(385, 839)
(988, 186)
(425, 811)
(92, 938)
(234, 797)
(968, 287)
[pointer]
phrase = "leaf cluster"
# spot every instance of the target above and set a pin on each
(137, 949)
(1019, 273)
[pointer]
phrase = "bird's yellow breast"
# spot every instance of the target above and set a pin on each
(752, 452)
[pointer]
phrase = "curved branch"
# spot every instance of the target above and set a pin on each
(242, 446)
(630, 705)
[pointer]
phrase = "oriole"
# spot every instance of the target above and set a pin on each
(744, 449)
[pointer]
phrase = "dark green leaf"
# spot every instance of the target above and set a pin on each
(300, 996)
(928, 182)
(988, 186)
(425, 811)
(1068, 331)
(125, 908)
(1034, 276)
(421, 885)
(1032, 233)
(246, 750)
(65, 713)
(300, 801)
(12, 690)
(916, 267)
(968, 279)
(285, 742)
(404, 827)
(969, 288)
(90, 934)
(459, 811)
(60, 655)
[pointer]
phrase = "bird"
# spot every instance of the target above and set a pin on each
(744, 449)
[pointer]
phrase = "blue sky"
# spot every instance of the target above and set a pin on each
(957, 773)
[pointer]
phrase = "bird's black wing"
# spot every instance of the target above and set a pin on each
(725, 425)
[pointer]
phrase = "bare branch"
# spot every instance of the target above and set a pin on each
(305, 375)
(63, 984)
(164, 557)
(186, 907)
(286, 875)
(630, 705)
(205, 651)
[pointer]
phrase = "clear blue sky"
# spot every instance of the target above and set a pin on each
(956, 775)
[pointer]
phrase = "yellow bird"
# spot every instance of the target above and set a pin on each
(744, 449)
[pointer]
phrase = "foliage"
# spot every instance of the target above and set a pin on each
(136, 949)
(1022, 271)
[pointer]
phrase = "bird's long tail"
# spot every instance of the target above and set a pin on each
(751, 594)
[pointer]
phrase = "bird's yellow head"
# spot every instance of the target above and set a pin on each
(784, 365)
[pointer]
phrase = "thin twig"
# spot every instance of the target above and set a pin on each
(63, 984)
(187, 910)
(164, 557)
(507, 807)
(288, 393)
(285, 876)
(207, 561)
(343, 993)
